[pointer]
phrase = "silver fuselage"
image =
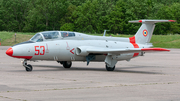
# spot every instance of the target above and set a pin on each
(65, 48)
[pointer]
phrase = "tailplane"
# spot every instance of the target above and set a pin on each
(145, 32)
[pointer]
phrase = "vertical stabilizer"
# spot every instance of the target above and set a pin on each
(145, 32)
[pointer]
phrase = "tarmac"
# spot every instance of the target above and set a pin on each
(152, 77)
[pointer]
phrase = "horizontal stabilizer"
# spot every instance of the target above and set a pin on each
(151, 21)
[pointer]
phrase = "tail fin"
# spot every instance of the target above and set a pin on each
(145, 32)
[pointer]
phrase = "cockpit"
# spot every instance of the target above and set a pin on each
(50, 35)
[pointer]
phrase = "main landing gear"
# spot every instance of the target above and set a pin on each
(28, 67)
(66, 64)
(110, 68)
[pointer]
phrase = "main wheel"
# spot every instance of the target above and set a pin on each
(110, 68)
(29, 68)
(67, 64)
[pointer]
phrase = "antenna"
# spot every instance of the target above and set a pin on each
(105, 32)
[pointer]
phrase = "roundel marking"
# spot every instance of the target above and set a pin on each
(145, 32)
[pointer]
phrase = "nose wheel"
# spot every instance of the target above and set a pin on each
(28, 67)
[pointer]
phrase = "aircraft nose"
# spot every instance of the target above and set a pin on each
(9, 51)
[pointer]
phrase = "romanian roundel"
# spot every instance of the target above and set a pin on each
(145, 32)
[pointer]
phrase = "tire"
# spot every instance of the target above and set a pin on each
(67, 64)
(29, 68)
(110, 68)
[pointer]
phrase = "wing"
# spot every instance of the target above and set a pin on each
(121, 51)
(84, 50)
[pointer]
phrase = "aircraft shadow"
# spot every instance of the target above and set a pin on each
(122, 70)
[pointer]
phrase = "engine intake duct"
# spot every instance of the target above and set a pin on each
(81, 51)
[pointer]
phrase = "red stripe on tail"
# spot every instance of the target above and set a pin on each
(133, 42)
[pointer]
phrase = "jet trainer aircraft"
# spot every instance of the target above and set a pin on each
(65, 47)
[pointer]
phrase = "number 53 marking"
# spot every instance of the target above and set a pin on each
(37, 50)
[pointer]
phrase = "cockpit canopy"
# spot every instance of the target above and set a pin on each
(39, 37)
(50, 35)
(67, 34)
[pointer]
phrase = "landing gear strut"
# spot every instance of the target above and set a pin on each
(27, 67)
(66, 64)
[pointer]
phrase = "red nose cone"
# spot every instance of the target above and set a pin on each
(9, 52)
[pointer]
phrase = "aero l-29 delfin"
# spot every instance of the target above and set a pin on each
(65, 47)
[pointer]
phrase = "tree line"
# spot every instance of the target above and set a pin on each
(88, 16)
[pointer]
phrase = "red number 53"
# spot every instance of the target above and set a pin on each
(37, 50)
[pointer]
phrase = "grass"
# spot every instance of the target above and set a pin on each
(166, 41)
(163, 41)
(8, 38)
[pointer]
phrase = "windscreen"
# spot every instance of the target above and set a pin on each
(37, 38)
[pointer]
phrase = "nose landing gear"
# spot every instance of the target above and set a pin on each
(28, 67)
